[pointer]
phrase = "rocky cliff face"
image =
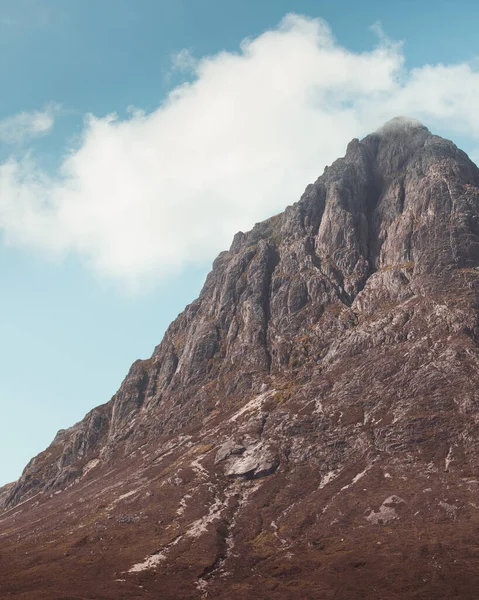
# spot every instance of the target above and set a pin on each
(307, 427)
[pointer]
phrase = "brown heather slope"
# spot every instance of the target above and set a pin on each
(307, 428)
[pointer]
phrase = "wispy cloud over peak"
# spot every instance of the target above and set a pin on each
(153, 193)
(24, 126)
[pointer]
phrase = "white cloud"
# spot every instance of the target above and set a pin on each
(148, 195)
(184, 61)
(27, 125)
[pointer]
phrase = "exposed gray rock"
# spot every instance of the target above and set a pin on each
(257, 461)
(228, 449)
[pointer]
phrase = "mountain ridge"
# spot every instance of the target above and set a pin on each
(334, 343)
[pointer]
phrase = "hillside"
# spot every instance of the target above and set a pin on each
(307, 428)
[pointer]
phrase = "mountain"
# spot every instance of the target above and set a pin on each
(307, 428)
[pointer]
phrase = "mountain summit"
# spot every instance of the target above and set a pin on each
(307, 428)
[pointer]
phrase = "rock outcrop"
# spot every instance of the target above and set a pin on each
(307, 428)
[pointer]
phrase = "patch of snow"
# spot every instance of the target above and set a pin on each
(127, 495)
(242, 494)
(448, 459)
(386, 512)
(282, 541)
(183, 504)
(123, 497)
(198, 467)
(197, 528)
(170, 447)
(356, 478)
(90, 465)
(252, 405)
(330, 476)
(451, 509)
(149, 563)
(200, 526)
(318, 408)
(202, 584)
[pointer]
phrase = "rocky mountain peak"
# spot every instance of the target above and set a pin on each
(317, 400)
(399, 135)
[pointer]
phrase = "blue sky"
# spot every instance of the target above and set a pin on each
(110, 224)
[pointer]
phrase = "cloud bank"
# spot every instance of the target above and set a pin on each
(146, 196)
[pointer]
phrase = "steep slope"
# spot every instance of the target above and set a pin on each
(307, 427)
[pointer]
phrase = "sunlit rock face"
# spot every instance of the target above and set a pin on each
(307, 428)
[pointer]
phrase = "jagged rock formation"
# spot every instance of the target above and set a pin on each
(5, 492)
(307, 428)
